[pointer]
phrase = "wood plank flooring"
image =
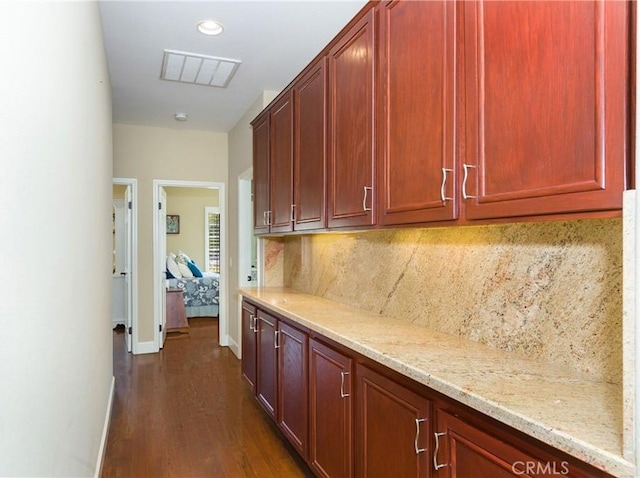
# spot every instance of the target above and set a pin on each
(186, 413)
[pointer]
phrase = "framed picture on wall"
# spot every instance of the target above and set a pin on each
(173, 224)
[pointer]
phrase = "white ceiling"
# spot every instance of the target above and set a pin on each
(273, 39)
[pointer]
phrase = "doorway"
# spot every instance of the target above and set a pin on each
(248, 274)
(125, 260)
(160, 252)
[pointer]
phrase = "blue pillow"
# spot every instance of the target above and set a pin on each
(169, 274)
(194, 269)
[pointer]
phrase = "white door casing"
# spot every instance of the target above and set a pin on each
(129, 262)
(159, 234)
(246, 243)
(128, 201)
(161, 261)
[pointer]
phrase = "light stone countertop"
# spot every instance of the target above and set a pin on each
(580, 417)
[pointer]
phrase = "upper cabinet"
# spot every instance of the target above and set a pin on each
(416, 112)
(442, 112)
(289, 160)
(281, 164)
(351, 125)
(310, 143)
(546, 107)
(261, 173)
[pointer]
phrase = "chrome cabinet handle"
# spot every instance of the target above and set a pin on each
(251, 321)
(342, 375)
(276, 339)
(465, 168)
(264, 218)
(436, 466)
(415, 442)
(443, 185)
(255, 324)
(268, 214)
(293, 213)
(364, 199)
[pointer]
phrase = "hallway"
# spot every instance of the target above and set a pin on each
(186, 413)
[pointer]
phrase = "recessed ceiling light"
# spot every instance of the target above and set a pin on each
(180, 117)
(210, 27)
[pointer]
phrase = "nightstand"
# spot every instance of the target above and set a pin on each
(176, 312)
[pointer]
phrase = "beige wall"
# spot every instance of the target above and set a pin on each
(189, 204)
(148, 153)
(55, 189)
(240, 159)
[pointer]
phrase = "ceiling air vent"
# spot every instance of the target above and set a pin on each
(198, 69)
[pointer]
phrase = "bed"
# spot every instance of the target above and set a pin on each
(201, 294)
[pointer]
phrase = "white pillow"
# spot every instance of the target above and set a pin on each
(185, 271)
(182, 258)
(172, 267)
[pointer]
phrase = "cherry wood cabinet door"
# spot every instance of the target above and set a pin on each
(464, 450)
(416, 112)
(261, 173)
(293, 391)
(310, 143)
(281, 166)
(249, 345)
(331, 412)
(393, 428)
(546, 107)
(351, 126)
(267, 363)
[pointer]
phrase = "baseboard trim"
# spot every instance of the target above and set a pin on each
(145, 348)
(105, 430)
(234, 347)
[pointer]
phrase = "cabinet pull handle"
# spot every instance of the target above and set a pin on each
(268, 214)
(465, 168)
(255, 324)
(264, 218)
(342, 375)
(436, 466)
(443, 185)
(415, 442)
(364, 199)
(293, 213)
(251, 322)
(276, 339)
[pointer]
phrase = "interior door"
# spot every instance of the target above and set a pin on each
(162, 244)
(126, 273)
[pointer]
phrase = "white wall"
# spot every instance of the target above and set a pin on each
(55, 238)
(240, 159)
(148, 153)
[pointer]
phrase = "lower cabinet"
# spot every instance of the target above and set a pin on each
(267, 363)
(464, 449)
(331, 411)
(393, 428)
(293, 410)
(249, 332)
(349, 416)
(275, 364)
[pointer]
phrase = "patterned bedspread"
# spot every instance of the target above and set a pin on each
(198, 290)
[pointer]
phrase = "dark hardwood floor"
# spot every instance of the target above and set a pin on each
(185, 412)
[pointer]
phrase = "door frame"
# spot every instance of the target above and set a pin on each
(159, 286)
(245, 223)
(133, 279)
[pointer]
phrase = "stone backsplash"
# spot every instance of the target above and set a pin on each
(550, 291)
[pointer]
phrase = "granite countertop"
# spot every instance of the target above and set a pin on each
(580, 417)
